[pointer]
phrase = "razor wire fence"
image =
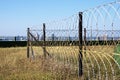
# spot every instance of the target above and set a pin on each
(84, 46)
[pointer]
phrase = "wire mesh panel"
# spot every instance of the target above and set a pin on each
(57, 45)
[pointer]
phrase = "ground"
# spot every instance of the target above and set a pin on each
(98, 63)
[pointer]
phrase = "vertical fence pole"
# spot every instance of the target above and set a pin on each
(80, 71)
(28, 43)
(85, 40)
(44, 39)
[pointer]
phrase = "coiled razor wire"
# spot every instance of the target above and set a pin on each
(101, 44)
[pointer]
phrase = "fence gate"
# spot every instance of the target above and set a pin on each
(84, 46)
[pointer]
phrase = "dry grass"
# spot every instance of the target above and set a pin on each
(98, 63)
(15, 66)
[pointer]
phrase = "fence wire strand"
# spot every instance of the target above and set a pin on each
(101, 44)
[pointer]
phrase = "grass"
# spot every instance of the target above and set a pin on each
(98, 63)
(15, 66)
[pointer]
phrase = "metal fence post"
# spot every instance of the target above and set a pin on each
(80, 56)
(44, 40)
(28, 42)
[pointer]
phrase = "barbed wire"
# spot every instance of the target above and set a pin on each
(101, 44)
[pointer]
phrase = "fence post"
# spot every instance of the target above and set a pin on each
(44, 40)
(85, 41)
(80, 56)
(28, 42)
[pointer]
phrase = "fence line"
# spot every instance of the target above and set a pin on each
(93, 53)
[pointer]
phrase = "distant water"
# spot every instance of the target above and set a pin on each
(13, 38)
(24, 38)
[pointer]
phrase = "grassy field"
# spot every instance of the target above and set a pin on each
(15, 66)
(98, 63)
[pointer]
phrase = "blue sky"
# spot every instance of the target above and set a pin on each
(17, 15)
